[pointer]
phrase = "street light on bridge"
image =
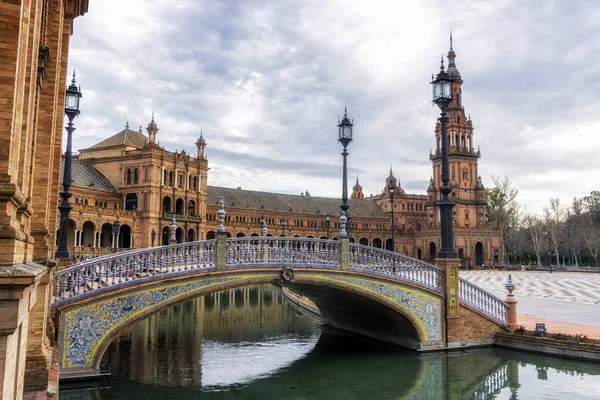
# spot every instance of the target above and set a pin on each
(392, 190)
(345, 138)
(116, 226)
(328, 223)
(73, 94)
(283, 223)
(442, 97)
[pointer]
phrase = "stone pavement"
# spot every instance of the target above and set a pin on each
(565, 302)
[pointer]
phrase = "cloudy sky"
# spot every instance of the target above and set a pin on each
(267, 81)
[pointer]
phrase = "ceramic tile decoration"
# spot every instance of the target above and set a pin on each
(87, 327)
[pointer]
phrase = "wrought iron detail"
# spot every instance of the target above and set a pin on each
(287, 274)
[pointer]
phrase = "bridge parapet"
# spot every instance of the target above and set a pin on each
(119, 269)
(98, 274)
(396, 264)
(482, 301)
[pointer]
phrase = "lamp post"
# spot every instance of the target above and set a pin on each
(392, 190)
(116, 226)
(283, 223)
(73, 94)
(345, 138)
(153, 236)
(328, 223)
(442, 97)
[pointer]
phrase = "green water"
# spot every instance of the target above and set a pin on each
(251, 343)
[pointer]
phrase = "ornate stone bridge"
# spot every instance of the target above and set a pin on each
(362, 289)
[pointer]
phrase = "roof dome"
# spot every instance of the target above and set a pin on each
(452, 71)
(431, 186)
(357, 185)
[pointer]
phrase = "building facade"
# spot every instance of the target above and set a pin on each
(131, 178)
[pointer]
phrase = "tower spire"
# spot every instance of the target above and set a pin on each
(451, 39)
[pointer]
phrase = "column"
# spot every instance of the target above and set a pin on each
(38, 345)
(452, 300)
(18, 294)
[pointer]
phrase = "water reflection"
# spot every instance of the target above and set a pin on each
(250, 343)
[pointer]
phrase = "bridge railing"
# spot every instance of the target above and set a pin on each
(130, 265)
(482, 300)
(283, 251)
(396, 264)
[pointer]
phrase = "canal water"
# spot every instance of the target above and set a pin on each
(251, 343)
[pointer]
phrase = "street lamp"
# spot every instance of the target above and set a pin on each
(328, 223)
(116, 226)
(345, 137)
(442, 97)
(72, 96)
(153, 236)
(283, 223)
(392, 190)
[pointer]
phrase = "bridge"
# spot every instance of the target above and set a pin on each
(366, 290)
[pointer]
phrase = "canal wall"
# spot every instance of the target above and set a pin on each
(560, 348)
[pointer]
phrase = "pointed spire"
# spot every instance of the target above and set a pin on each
(140, 129)
(451, 39)
(126, 125)
(345, 112)
(73, 80)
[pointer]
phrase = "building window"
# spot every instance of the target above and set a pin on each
(465, 175)
(128, 177)
(146, 173)
(136, 176)
(180, 181)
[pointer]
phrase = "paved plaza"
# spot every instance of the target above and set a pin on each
(567, 302)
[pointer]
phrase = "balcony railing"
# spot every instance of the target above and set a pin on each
(182, 217)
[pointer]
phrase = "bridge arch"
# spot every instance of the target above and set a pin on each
(89, 325)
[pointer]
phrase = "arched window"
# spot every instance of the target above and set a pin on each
(136, 176)
(128, 177)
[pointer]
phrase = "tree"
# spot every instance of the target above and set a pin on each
(591, 224)
(573, 229)
(535, 227)
(502, 209)
(553, 217)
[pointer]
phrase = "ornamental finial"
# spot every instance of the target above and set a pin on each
(343, 221)
(510, 286)
(221, 214)
(264, 229)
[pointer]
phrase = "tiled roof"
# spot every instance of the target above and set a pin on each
(125, 137)
(83, 174)
(238, 198)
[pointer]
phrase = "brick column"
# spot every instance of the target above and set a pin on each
(221, 253)
(38, 345)
(18, 290)
(451, 279)
(344, 254)
(511, 313)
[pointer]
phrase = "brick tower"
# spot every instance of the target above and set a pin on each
(468, 191)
